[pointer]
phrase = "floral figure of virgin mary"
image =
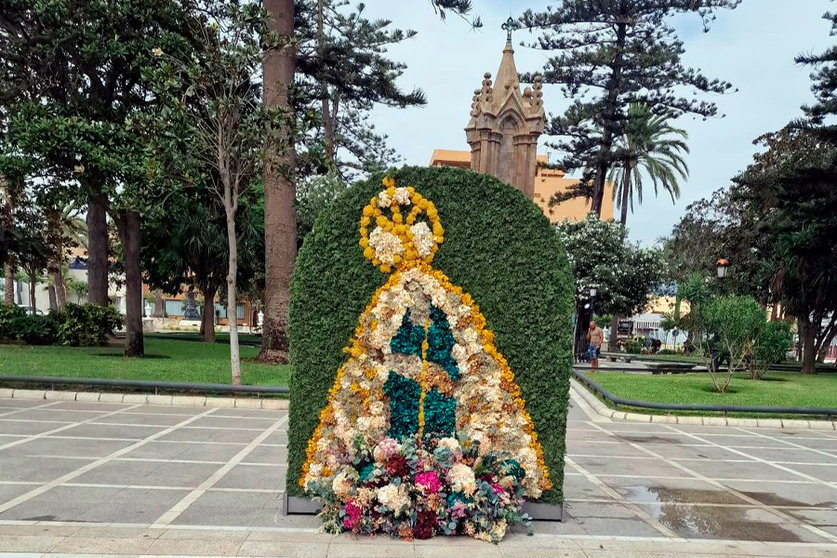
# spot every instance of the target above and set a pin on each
(421, 362)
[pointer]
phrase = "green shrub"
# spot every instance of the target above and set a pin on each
(88, 325)
(8, 314)
(632, 346)
(666, 352)
(734, 322)
(498, 247)
(771, 347)
(36, 330)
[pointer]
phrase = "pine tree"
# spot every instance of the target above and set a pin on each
(824, 78)
(606, 54)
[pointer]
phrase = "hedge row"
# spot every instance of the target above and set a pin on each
(77, 326)
(498, 247)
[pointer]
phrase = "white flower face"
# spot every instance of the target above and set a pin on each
(386, 245)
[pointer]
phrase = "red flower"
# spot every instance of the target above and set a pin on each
(397, 466)
(426, 524)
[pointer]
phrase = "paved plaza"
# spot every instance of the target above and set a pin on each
(133, 479)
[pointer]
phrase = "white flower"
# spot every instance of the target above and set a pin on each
(462, 479)
(79, 169)
(394, 497)
(386, 245)
(402, 196)
(422, 239)
(384, 200)
(157, 52)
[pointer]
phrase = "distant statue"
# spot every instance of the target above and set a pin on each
(191, 312)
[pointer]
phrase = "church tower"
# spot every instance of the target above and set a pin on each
(505, 124)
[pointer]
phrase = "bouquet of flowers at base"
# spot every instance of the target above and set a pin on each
(417, 489)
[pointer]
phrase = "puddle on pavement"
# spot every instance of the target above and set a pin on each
(771, 499)
(672, 508)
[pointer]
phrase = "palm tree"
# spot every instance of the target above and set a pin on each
(651, 148)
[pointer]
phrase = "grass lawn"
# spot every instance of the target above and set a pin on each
(167, 360)
(675, 358)
(778, 389)
(220, 336)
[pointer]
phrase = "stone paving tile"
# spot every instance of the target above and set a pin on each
(273, 517)
(65, 447)
(10, 491)
(747, 471)
(213, 421)
(141, 419)
(36, 469)
(589, 509)
(280, 437)
(776, 494)
(225, 508)
(195, 547)
(20, 427)
(12, 404)
(85, 406)
(101, 545)
(210, 435)
(56, 415)
(110, 431)
(580, 487)
(267, 454)
(254, 476)
(791, 454)
(17, 543)
(118, 473)
(168, 410)
(284, 548)
(820, 518)
(606, 466)
(189, 452)
(347, 548)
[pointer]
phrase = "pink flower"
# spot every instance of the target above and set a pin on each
(497, 488)
(353, 514)
(458, 509)
(429, 480)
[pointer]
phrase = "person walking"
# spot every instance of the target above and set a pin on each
(595, 338)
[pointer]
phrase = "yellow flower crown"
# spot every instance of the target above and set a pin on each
(399, 241)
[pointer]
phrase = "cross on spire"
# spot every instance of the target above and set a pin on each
(507, 27)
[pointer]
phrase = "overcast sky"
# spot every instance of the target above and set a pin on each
(753, 47)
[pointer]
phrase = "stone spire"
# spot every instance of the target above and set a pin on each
(505, 124)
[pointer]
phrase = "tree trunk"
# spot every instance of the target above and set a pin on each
(159, 305)
(9, 262)
(232, 271)
(128, 224)
(53, 301)
(279, 217)
(33, 304)
(97, 247)
(807, 336)
(60, 289)
(626, 194)
(9, 292)
(208, 315)
(610, 112)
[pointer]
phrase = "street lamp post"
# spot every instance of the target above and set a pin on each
(722, 266)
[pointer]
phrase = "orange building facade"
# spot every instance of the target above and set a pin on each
(548, 183)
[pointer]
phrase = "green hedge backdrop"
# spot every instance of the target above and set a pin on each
(498, 247)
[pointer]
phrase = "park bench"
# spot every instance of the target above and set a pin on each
(669, 367)
(613, 357)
